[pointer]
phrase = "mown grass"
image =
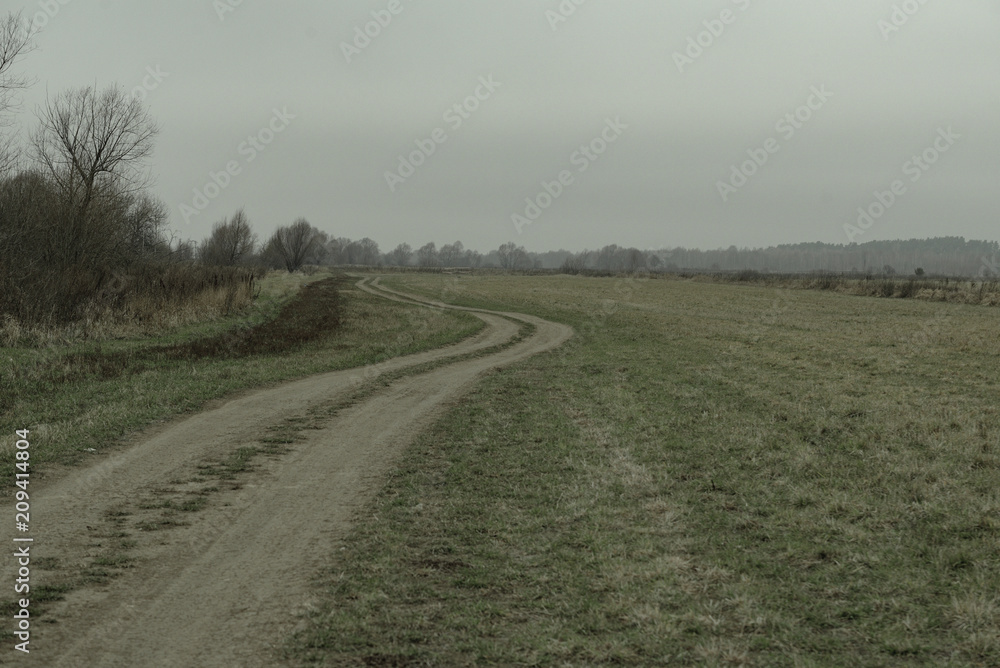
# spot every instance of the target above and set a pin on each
(87, 396)
(706, 475)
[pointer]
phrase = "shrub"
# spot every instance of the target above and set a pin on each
(908, 289)
(104, 301)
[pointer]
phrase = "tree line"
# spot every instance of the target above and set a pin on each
(292, 247)
(302, 244)
(944, 256)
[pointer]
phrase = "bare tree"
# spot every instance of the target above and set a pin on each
(16, 40)
(575, 263)
(183, 250)
(292, 245)
(610, 258)
(369, 253)
(88, 141)
(145, 221)
(350, 253)
(320, 253)
(364, 252)
(513, 257)
(427, 255)
(28, 205)
(232, 242)
(473, 259)
(635, 260)
(334, 250)
(452, 255)
(400, 255)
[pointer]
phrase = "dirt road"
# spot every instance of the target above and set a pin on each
(231, 585)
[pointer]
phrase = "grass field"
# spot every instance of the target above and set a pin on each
(707, 474)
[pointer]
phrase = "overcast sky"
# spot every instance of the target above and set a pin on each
(648, 111)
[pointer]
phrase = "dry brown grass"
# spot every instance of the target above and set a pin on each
(99, 304)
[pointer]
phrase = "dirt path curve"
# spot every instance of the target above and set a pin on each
(230, 586)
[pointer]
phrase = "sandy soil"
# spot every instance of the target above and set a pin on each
(230, 586)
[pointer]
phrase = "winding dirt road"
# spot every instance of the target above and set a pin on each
(231, 585)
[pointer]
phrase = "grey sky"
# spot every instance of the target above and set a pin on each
(656, 185)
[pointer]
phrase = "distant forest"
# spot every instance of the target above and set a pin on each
(943, 256)
(301, 244)
(949, 256)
